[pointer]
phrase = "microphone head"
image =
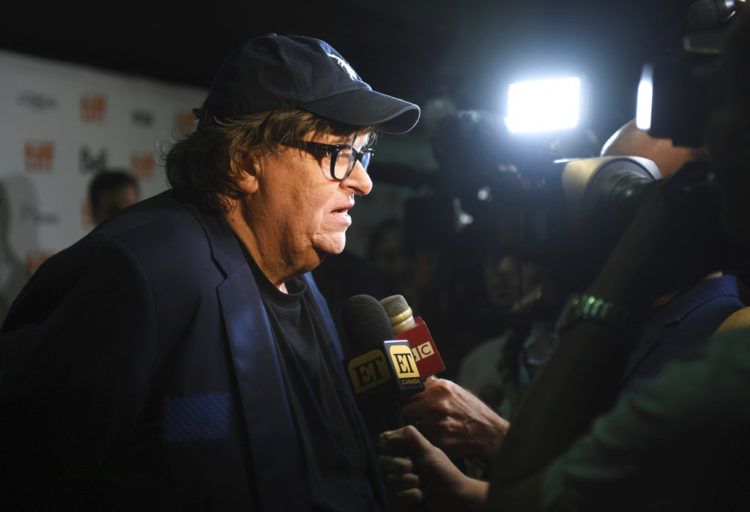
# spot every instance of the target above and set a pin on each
(399, 312)
(366, 323)
(394, 305)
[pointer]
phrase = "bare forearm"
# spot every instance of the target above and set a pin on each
(579, 382)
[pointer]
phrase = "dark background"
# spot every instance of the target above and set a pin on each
(412, 48)
(465, 50)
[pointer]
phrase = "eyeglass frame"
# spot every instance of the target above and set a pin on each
(333, 150)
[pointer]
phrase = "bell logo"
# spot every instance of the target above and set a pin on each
(90, 162)
(368, 371)
(142, 164)
(423, 351)
(39, 156)
(93, 108)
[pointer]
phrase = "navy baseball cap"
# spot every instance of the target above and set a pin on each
(275, 71)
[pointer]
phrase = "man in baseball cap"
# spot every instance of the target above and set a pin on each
(183, 357)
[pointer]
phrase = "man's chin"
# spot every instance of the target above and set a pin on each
(324, 252)
(331, 246)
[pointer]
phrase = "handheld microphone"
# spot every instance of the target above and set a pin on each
(382, 371)
(415, 330)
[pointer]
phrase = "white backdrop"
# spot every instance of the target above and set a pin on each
(60, 124)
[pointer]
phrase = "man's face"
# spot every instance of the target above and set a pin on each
(299, 208)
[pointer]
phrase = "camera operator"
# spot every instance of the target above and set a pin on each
(678, 441)
(629, 140)
(681, 319)
(677, 322)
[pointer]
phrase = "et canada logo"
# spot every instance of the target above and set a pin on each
(142, 164)
(368, 371)
(39, 155)
(93, 108)
(394, 368)
(404, 364)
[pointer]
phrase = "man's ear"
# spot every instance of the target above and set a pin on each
(246, 168)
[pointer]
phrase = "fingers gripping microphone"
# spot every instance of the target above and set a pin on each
(415, 331)
(382, 371)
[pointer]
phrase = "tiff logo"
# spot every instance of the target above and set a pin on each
(39, 155)
(93, 108)
(142, 164)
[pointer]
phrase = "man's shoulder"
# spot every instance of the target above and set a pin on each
(160, 211)
(709, 302)
(157, 226)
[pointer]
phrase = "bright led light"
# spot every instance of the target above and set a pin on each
(645, 100)
(544, 105)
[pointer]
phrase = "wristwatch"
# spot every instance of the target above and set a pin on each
(585, 307)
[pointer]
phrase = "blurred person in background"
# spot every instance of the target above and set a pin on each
(110, 191)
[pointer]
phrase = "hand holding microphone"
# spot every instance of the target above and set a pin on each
(406, 326)
(382, 371)
(447, 414)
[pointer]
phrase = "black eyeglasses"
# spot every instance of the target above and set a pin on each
(343, 156)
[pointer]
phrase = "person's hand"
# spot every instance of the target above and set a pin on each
(418, 472)
(456, 420)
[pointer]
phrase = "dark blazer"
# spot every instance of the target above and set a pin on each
(138, 371)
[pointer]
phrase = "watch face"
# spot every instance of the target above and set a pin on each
(588, 307)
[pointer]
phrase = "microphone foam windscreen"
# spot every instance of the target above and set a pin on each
(365, 322)
(394, 305)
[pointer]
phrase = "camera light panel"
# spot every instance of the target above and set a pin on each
(645, 100)
(544, 105)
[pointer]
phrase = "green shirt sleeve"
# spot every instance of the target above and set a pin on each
(677, 441)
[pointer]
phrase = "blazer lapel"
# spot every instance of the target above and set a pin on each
(276, 453)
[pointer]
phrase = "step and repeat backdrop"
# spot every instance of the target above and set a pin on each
(60, 124)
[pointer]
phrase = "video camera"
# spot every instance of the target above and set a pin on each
(679, 92)
(566, 214)
(523, 201)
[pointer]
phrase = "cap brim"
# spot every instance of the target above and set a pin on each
(363, 107)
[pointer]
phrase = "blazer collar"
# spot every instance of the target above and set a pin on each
(225, 248)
